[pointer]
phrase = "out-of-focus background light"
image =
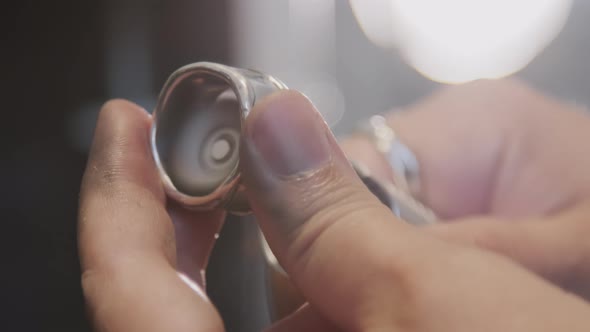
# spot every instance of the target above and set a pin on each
(375, 17)
(455, 41)
(302, 34)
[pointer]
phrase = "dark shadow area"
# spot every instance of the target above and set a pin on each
(57, 61)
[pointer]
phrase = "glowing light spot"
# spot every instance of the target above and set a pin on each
(456, 41)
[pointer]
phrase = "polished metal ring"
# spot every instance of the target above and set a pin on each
(196, 132)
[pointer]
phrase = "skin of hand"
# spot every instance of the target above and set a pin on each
(359, 267)
(141, 257)
(509, 167)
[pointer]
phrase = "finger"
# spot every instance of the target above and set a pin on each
(338, 243)
(356, 264)
(489, 147)
(126, 238)
(552, 247)
(305, 319)
(468, 168)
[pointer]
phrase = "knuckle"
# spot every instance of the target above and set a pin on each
(425, 285)
(330, 201)
(412, 285)
(91, 283)
(110, 275)
(100, 289)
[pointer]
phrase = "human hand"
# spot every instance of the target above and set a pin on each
(127, 244)
(362, 269)
(141, 258)
(508, 167)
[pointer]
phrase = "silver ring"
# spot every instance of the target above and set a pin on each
(195, 135)
(403, 162)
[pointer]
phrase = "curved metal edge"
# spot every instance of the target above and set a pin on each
(239, 82)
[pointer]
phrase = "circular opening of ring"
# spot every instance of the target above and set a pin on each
(220, 150)
(198, 133)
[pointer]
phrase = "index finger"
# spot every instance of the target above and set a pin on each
(126, 238)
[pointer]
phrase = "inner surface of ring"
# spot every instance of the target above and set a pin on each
(198, 133)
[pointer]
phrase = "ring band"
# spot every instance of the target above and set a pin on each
(195, 135)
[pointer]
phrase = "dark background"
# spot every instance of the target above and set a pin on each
(54, 60)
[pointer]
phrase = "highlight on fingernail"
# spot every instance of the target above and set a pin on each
(289, 134)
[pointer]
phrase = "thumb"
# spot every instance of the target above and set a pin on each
(338, 243)
(359, 266)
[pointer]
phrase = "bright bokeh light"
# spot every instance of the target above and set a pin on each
(456, 41)
(375, 19)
